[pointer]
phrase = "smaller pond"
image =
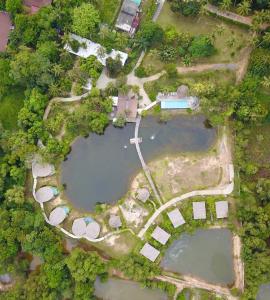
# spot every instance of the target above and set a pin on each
(206, 254)
(264, 292)
(116, 289)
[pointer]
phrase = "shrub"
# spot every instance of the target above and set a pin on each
(260, 62)
(140, 72)
(171, 70)
(201, 46)
(168, 53)
(75, 45)
(186, 8)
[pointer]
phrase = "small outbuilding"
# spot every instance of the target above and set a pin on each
(143, 194)
(5, 278)
(35, 5)
(127, 106)
(46, 193)
(79, 227)
(222, 209)
(115, 221)
(199, 210)
(58, 215)
(149, 252)
(160, 235)
(176, 218)
(5, 28)
(42, 169)
(92, 229)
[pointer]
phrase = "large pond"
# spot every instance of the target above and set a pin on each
(116, 289)
(101, 167)
(264, 292)
(206, 254)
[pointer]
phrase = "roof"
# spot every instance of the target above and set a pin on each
(130, 7)
(93, 49)
(37, 3)
(5, 278)
(149, 252)
(79, 227)
(143, 194)
(160, 235)
(176, 218)
(115, 221)
(182, 91)
(46, 193)
(128, 12)
(124, 21)
(92, 230)
(58, 215)
(41, 169)
(5, 29)
(199, 210)
(127, 106)
(222, 209)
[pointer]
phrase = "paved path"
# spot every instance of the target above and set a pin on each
(225, 190)
(144, 166)
(191, 282)
(207, 67)
(246, 20)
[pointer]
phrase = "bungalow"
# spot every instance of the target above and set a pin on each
(5, 28)
(178, 100)
(34, 6)
(128, 18)
(88, 48)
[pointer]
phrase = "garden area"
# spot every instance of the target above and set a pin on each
(228, 39)
(108, 10)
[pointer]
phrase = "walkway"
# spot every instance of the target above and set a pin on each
(246, 20)
(208, 67)
(225, 190)
(144, 166)
(191, 282)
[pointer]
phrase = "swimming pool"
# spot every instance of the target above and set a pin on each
(175, 104)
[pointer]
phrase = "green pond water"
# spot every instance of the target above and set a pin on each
(264, 292)
(116, 289)
(100, 168)
(206, 254)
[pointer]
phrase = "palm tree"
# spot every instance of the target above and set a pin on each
(57, 70)
(266, 82)
(244, 8)
(226, 4)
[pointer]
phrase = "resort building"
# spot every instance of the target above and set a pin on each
(58, 215)
(79, 227)
(143, 194)
(41, 169)
(199, 210)
(88, 48)
(149, 252)
(176, 218)
(222, 209)
(160, 235)
(92, 229)
(34, 6)
(46, 193)
(5, 28)
(128, 19)
(115, 221)
(178, 100)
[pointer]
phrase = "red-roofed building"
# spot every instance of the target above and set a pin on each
(35, 5)
(5, 28)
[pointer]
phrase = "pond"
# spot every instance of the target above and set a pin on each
(116, 289)
(264, 292)
(100, 168)
(206, 254)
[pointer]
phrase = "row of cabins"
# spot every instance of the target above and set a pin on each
(31, 6)
(176, 218)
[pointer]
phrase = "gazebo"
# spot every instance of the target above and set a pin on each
(143, 194)
(79, 227)
(92, 230)
(41, 169)
(115, 221)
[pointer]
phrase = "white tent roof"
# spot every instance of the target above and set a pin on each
(176, 218)
(222, 209)
(40, 169)
(79, 227)
(160, 235)
(93, 49)
(149, 252)
(143, 194)
(92, 230)
(199, 210)
(58, 215)
(115, 221)
(44, 194)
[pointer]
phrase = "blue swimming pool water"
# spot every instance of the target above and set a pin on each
(175, 104)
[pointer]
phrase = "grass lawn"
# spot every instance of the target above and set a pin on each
(226, 52)
(9, 108)
(109, 10)
(217, 77)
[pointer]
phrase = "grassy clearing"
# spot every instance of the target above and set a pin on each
(228, 43)
(171, 84)
(10, 105)
(109, 10)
